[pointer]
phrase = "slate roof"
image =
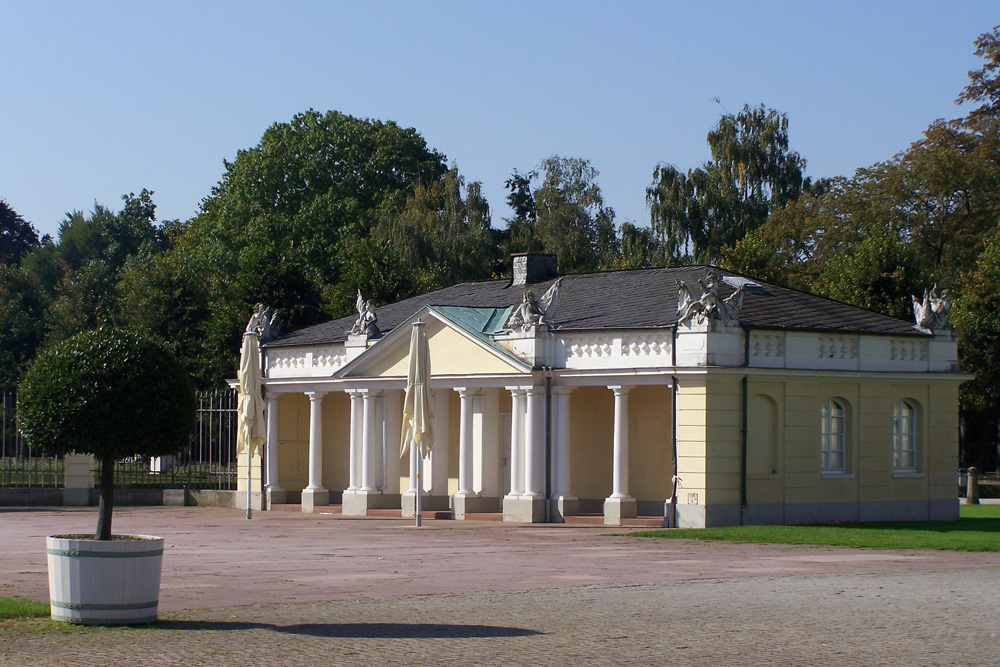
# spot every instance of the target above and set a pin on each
(632, 299)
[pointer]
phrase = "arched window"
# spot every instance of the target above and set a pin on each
(904, 437)
(833, 437)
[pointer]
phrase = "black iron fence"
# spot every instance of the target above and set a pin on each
(20, 465)
(209, 462)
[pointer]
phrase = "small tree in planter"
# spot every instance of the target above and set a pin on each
(111, 393)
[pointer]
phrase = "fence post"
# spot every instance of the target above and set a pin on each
(78, 478)
(972, 493)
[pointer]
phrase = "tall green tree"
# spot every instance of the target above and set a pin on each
(280, 224)
(880, 274)
(752, 172)
(976, 316)
(22, 325)
(17, 236)
(565, 215)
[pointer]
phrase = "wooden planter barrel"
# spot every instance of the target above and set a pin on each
(105, 582)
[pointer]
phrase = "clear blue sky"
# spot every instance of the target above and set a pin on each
(98, 99)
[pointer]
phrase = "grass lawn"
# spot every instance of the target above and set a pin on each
(13, 608)
(978, 529)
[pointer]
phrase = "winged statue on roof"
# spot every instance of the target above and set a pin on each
(710, 306)
(533, 312)
(367, 319)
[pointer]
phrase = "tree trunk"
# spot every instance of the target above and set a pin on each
(107, 504)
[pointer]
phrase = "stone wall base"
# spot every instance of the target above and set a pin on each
(357, 503)
(462, 505)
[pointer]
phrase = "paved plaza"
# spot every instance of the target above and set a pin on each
(292, 589)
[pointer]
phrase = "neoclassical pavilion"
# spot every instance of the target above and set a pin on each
(691, 393)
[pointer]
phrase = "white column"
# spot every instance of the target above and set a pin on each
(315, 440)
(439, 455)
(272, 442)
(619, 484)
(393, 410)
(380, 430)
(465, 440)
(517, 395)
(357, 417)
(560, 467)
(534, 441)
(368, 444)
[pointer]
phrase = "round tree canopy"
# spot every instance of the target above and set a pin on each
(110, 393)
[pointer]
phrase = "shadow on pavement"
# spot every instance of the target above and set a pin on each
(361, 630)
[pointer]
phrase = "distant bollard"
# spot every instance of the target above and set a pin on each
(972, 494)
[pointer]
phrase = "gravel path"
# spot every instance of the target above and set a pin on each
(349, 592)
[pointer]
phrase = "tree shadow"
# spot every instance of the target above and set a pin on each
(361, 630)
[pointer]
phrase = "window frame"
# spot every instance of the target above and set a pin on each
(905, 441)
(834, 437)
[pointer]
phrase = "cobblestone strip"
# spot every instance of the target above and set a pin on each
(913, 618)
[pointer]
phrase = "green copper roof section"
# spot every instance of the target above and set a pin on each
(476, 320)
(481, 324)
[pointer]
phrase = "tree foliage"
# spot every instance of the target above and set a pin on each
(111, 393)
(284, 223)
(752, 172)
(565, 215)
(22, 326)
(17, 236)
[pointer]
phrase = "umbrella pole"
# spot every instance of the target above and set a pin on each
(415, 463)
(249, 461)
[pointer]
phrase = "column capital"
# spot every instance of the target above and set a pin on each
(562, 390)
(315, 395)
(516, 389)
(370, 393)
(465, 392)
(534, 390)
(620, 389)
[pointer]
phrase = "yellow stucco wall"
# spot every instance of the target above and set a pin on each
(293, 441)
(336, 441)
(691, 438)
(649, 434)
(783, 433)
(451, 354)
(592, 413)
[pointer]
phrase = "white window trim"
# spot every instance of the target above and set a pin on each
(913, 439)
(826, 437)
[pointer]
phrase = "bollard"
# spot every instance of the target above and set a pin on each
(972, 493)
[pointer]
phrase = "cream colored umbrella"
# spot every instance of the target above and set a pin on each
(250, 409)
(418, 437)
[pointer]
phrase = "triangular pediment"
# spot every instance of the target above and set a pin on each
(459, 343)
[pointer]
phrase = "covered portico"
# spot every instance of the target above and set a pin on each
(504, 430)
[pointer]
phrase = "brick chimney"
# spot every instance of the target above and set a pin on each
(532, 268)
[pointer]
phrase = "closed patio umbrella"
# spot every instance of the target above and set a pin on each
(250, 409)
(418, 438)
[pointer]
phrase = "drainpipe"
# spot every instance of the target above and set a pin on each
(672, 522)
(743, 433)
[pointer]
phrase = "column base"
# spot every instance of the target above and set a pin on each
(427, 504)
(564, 506)
(357, 503)
(616, 509)
(256, 501)
(277, 497)
(462, 505)
(313, 498)
(524, 509)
